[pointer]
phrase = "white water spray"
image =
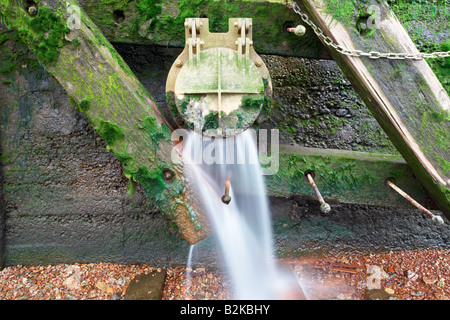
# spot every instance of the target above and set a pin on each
(243, 226)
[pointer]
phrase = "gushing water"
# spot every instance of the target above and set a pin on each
(243, 226)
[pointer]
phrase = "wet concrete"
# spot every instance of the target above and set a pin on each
(300, 228)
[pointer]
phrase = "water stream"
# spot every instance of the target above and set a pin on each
(189, 271)
(243, 227)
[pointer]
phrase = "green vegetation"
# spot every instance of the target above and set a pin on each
(211, 121)
(84, 105)
(344, 11)
(444, 115)
(250, 103)
(419, 16)
(45, 34)
(3, 37)
(151, 181)
(110, 132)
(148, 9)
(156, 131)
(123, 157)
(163, 21)
(430, 14)
(441, 66)
(343, 178)
(3, 20)
(76, 43)
(7, 61)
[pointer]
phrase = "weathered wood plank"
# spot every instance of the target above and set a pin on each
(117, 105)
(345, 177)
(162, 23)
(404, 96)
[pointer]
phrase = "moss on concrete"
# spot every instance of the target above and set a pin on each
(350, 177)
(162, 22)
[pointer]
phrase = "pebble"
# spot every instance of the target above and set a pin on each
(389, 291)
(430, 279)
(105, 281)
(324, 110)
(122, 281)
(341, 112)
(376, 275)
(101, 285)
(411, 275)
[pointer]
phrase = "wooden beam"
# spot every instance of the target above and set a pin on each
(345, 177)
(162, 23)
(94, 75)
(404, 96)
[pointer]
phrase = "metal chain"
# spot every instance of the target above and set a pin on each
(358, 53)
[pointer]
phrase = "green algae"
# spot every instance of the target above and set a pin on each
(151, 182)
(110, 132)
(7, 61)
(250, 103)
(156, 131)
(45, 34)
(3, 37)
(84, 105)
(162, 22)
(343, 176)
(211, 121)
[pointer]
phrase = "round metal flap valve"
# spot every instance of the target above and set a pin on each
(219, 90)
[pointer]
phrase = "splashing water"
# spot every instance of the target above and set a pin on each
(243, 226)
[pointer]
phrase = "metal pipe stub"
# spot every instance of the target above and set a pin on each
(324, 207)
(436, 219)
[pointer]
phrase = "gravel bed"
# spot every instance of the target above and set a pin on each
(398, 275)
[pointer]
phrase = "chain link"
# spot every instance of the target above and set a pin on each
(358, 53)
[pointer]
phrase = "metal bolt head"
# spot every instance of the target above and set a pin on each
(32, 10)
(168, 175)
(226, 199)
(300, 30)
(438, 220)
(325, 208)
(178, 63)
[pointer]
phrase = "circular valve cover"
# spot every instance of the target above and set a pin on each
(219, 92)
